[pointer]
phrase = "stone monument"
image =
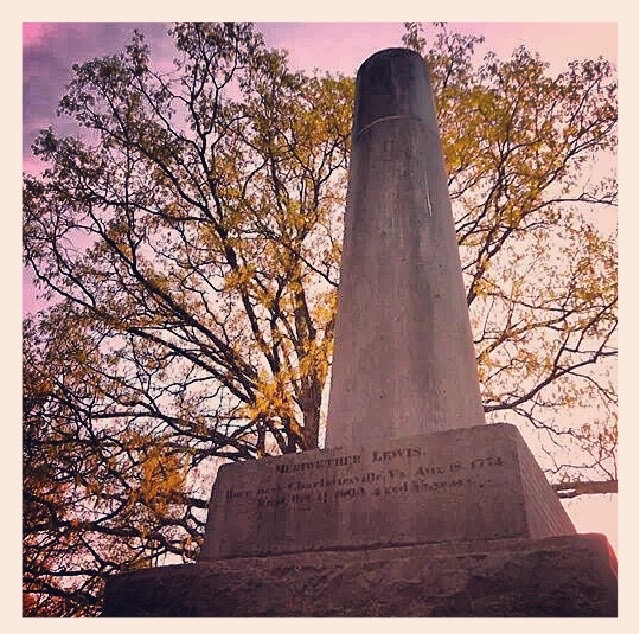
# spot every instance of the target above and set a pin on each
(416, 507)
(404, 361)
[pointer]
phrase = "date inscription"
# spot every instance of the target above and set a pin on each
(402, 471)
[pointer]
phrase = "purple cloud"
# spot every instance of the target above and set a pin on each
(49, 51)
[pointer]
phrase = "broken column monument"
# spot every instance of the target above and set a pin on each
(416, 507)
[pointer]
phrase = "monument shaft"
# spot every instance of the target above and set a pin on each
(404, 361)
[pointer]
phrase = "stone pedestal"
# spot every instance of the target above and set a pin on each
(558, 576)
(466, 484)
(453, 523)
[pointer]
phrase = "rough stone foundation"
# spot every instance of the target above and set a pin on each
(572, 576)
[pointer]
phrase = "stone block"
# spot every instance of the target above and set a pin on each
(457, 485)
(573, 576)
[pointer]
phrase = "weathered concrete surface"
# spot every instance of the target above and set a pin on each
(559, 576)
(404, 361)
(465, 484)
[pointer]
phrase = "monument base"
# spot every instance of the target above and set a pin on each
(573, 575)
(459, 485)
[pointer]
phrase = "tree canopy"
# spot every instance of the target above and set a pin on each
(188, 241)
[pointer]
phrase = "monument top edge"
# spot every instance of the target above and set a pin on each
(392, 83)
(394, 51)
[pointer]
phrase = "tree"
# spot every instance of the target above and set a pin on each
(189, 243)
(195, 318)
(522, 150)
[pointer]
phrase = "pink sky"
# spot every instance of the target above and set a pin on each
(343, 46)
(50, 49)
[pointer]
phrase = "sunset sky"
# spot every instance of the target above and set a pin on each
(50, 49)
